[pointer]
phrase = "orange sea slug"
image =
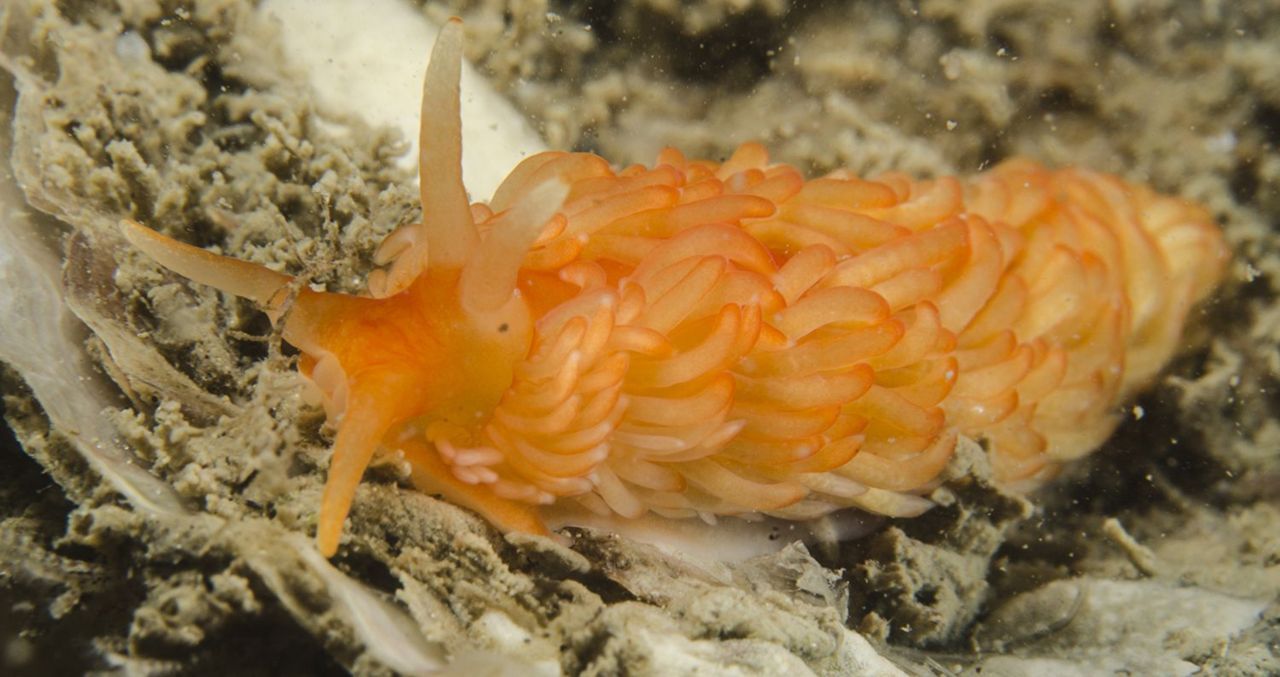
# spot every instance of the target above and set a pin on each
(706, 339)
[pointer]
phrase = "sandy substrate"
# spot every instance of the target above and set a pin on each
(1160, 554)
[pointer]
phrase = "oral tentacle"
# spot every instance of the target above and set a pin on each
(242, 278)
(371, 411)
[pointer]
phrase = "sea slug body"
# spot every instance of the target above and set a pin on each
(696, 338)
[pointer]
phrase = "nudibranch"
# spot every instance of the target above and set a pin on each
(698, 339)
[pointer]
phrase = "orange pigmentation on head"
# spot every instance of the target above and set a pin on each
(700, 339)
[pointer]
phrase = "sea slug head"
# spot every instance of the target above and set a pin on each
(436, 341)
(460, 287)
(437, 344)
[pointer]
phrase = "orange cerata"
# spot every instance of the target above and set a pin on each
(698, 339)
